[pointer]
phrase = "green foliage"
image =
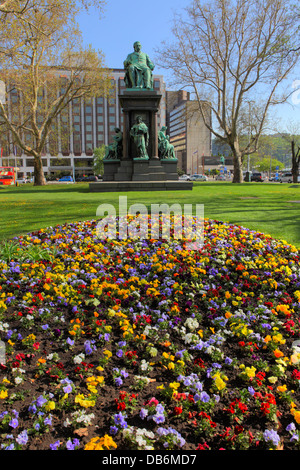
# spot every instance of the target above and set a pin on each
(266, 207)
(99, 154)
(10, 250)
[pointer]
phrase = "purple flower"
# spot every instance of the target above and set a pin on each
(14, 423)
(89, 348)
(68, 389)
(118, 381)
(113, 430)
(48, 420)
(41, 400)
(55, 445)
(291, 427)
(271, 436)
(119, 420)
(22, 438)
(143, 413)
(72, 445)
(204, 397)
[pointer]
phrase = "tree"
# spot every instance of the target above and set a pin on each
(45, 65)
(14, 6)
(292, 136)
(19, 7)
(234, 54)
(99, 154)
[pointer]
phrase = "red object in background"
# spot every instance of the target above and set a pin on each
(8, 174)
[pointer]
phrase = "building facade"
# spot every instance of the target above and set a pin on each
(82, 127)
(87, 124)
(187, 131)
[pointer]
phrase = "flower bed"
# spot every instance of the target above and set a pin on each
(146, 345)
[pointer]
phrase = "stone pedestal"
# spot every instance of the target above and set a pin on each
(124, 171)
(170, 168)
(110, 169)
(131, 168)
(144, 103)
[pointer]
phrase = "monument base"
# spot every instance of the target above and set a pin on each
(140, 170)
(125, 186)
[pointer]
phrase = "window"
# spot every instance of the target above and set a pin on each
(100, 109)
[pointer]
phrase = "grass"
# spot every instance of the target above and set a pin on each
(266, 207)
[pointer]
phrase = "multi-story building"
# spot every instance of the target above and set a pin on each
(187, 131)
(82, 127)
(89, 123)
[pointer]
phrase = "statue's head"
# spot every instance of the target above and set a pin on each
(137, 46)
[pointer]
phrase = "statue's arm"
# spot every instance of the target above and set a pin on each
(127, 61)
(149, 63)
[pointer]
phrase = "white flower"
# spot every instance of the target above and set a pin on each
(79, 358)
(192, 324)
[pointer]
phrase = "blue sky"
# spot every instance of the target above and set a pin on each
(125, 22)
(150, 22)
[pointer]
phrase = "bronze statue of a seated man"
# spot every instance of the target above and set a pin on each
(138, 69)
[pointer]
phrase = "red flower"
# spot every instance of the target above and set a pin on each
(203, 446)
(121, 405)
(177, 410)
(265, 408)
(296, 374)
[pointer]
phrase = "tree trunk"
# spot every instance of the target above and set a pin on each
(295, 162)
(39, 177)
(237, 164)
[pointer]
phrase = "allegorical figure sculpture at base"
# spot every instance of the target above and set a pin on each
(114, 151)
(165, 149)
(138, 69)
(140, 135)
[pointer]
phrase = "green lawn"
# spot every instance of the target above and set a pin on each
(265, 207)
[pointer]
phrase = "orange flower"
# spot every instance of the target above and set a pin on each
(278, 353)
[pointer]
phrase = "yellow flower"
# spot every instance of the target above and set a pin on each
(83, 401)
(282, 388)
(250, 372)
(174, 385)
(107, 353)
(296, 414)
(50, 405)
(219, 382)
(273, 379)
(103, 443)
(3, 394)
